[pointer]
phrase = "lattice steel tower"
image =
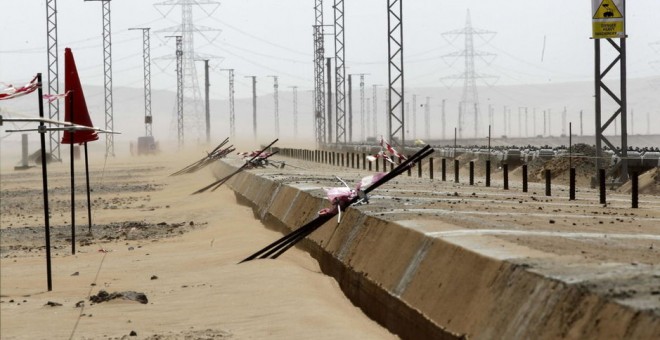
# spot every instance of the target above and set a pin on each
(232, 112)
(107, 78)
(319, 75)
(396, 116)
(146, 57)
(193, 106)
(469, 105)
(340, 73)
(53, 75)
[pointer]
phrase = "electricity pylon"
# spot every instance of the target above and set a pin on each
(396, 111)
(340, 73)
(469, 105)
(146, 58)
(194, 108)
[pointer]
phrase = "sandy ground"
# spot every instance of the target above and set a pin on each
(150, 236)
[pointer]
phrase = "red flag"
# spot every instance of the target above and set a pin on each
(10, 91)
(79, 115)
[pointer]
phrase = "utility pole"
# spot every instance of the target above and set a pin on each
(53, 75)
(505, 125)
(374, 98)
(427, 119)
(207, 106)
(179, 89)
(545, 119)
(146, 58)
(444, 118)
(328, 65)
(581, 131)
(295, 111)
(232, 113)
(395, 74)
(107, 76)
(534, 122)
(563, 122)
(340, 73)
(350, 108)
(550, 122)
(254, 105)
(277, 106)
(414, 117)
(362, 103)
(526, 122)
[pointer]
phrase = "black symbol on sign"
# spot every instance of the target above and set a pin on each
(608, 13)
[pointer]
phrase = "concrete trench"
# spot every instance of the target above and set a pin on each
(424, 287)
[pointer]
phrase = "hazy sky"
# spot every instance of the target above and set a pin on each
(261, 37)
(531, 42)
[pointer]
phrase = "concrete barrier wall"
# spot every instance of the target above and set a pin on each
(421, 287)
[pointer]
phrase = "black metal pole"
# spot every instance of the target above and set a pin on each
(572, 185)
(456, 165)
(505, 173)
(73, 186)
(431, 167)
(89, 200)
(44, 178)
(548, 180)
(635, 190)
(488, 173)
(524, 177)
(444, 169)
(471, 172)
(419, 169)
(601, 180)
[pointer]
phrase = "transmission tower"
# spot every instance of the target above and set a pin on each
(469, 105)
(319, 75)
(107, 76)
(194, 108)
(232, 115)
(53, 75)
(295, 111)
(179, 89)
(340, 73)
(276, 102)
(146, 57)
(396, 112)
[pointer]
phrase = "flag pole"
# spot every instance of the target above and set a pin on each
(89, 201)
(44, 176)
(73, 188)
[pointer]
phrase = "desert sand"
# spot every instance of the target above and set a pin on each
(151, 236)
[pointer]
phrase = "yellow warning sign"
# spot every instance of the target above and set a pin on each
(608, 10)
(608, 19)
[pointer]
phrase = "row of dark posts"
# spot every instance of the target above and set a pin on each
(353, 160)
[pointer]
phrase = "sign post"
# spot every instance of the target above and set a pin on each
(608, 22)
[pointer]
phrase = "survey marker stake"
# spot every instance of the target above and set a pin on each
(210, 157)
(277, 248)
(219, 182)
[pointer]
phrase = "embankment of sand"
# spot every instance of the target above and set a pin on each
(421, 287)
